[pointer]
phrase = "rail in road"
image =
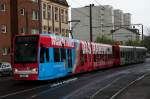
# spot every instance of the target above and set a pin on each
(103, 84)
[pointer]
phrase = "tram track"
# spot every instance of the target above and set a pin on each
(100, 81)
(130, 84)
(101, 89)
(106, 93)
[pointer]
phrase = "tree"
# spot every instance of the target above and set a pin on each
(133, 43)
(146, 42)
(105, 40)
(148, 31)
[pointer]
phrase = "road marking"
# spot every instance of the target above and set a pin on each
(56, 85)
(63, 82)
(53, 85)
(101, 89)
(19, 92)
(121, 90)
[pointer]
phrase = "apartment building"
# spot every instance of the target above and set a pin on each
(82, 29)
(55, 16)
(125, 34)
(5, 29)
(107, 20)
(102, 21)
(43, 16)
(30, 17)
(118, 18)
(127, 19)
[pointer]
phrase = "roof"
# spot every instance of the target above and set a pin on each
(63, 2)
(129, 29)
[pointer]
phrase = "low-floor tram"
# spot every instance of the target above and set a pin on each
(45, 56)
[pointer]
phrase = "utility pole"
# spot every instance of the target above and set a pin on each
(91, 31)
(142, 32)
(142, 27)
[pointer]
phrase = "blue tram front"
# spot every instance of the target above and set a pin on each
(43, 57)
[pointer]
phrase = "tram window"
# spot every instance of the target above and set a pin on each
(99, 57)
(81, 52)
(42, 55)
(69, 58)
(56, 55)
(63, 54)
(121, 54)
(47, 54)
(94, 57)
(85, 58)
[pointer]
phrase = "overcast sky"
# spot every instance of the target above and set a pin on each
(140, 9)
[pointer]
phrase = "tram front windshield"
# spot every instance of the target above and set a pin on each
(25, 50)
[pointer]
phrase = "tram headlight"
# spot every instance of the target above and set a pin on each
(34, 69)
(16, 70)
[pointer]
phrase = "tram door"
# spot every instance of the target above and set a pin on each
(44, 66)
(69, 61)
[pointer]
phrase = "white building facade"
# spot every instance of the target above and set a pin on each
(102, 21)
(124, 34)
(127, 19)
(118, 18)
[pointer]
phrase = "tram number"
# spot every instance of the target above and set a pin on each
(24, 75)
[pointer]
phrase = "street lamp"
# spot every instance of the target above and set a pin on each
(142, 27)
(72, 27)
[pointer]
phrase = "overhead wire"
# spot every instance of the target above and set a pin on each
(85, 14)
(97, 2)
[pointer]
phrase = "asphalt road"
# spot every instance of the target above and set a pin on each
(115, 83)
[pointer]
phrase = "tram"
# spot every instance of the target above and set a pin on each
(46, 56)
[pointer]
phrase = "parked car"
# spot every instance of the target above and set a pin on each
(5, 69)
(148, 55)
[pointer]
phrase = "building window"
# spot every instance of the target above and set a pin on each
(3, 28)
(44, 6)
(2, 7)
(49, 29)
(36, 1)
(35, 15)
(22, 11)
(63, 32)
(45, 27)
(44, 14)
(56, 29)
(56, 14)
(62, 16)
(49, 12)
(5, 51)
(34, 31)
(44, 11)
(103, 30)
(66, 17)
(66, 32)
(23, 30)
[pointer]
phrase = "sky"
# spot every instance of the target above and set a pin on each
(139, 9)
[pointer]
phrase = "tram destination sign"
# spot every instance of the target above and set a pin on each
(23, 39)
